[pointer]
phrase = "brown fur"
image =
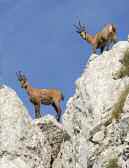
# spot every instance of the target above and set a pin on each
(41, 96)
(101, 39)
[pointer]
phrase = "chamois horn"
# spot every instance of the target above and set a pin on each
(80, 28)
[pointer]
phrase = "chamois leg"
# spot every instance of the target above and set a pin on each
(101, 49)
(57, 108)
(37, 111)
(115, 40)
(107, 46)
(94, 49)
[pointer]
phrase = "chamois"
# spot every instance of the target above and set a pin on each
(101, 39)
(41, 96)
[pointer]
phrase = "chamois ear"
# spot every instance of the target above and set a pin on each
(24, 77)
(112, 28)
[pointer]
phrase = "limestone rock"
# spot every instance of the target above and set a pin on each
(95, 129)
(25, 143)
(96, 117)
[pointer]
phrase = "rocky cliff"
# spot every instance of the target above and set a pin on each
(25, 143)
(97, 116)
(95, 131)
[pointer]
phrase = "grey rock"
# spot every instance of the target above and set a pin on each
(96, 138)
(95, 129)
(25, 143)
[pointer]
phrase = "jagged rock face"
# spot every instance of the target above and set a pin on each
(97, 116)
(53, 133)
(95, 131)
(23, 142)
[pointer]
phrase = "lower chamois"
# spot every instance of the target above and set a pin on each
(41, 96)
(101, 39)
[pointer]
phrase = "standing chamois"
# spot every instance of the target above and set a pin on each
(41, 96)
(101, 39)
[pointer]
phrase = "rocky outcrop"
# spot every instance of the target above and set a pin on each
(97, 116)
(95, 129)
(25, 143)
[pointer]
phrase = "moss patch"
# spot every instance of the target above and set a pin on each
(113, 163)
(124, 70)
(118, 107)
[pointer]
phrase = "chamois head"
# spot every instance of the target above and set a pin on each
(80, 28)
(22, 79)
(111, 27)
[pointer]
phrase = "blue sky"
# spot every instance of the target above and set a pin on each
(38, 38)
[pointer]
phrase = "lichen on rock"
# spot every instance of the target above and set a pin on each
(124, 70)
(112, 163)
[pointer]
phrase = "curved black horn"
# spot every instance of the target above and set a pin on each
(80, 28)
(76, 26)
(21, 76)
(17, 75)
(79, 23)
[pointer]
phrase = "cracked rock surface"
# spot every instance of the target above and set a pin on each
(23, 142)
(97, 116)
(95, 129)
